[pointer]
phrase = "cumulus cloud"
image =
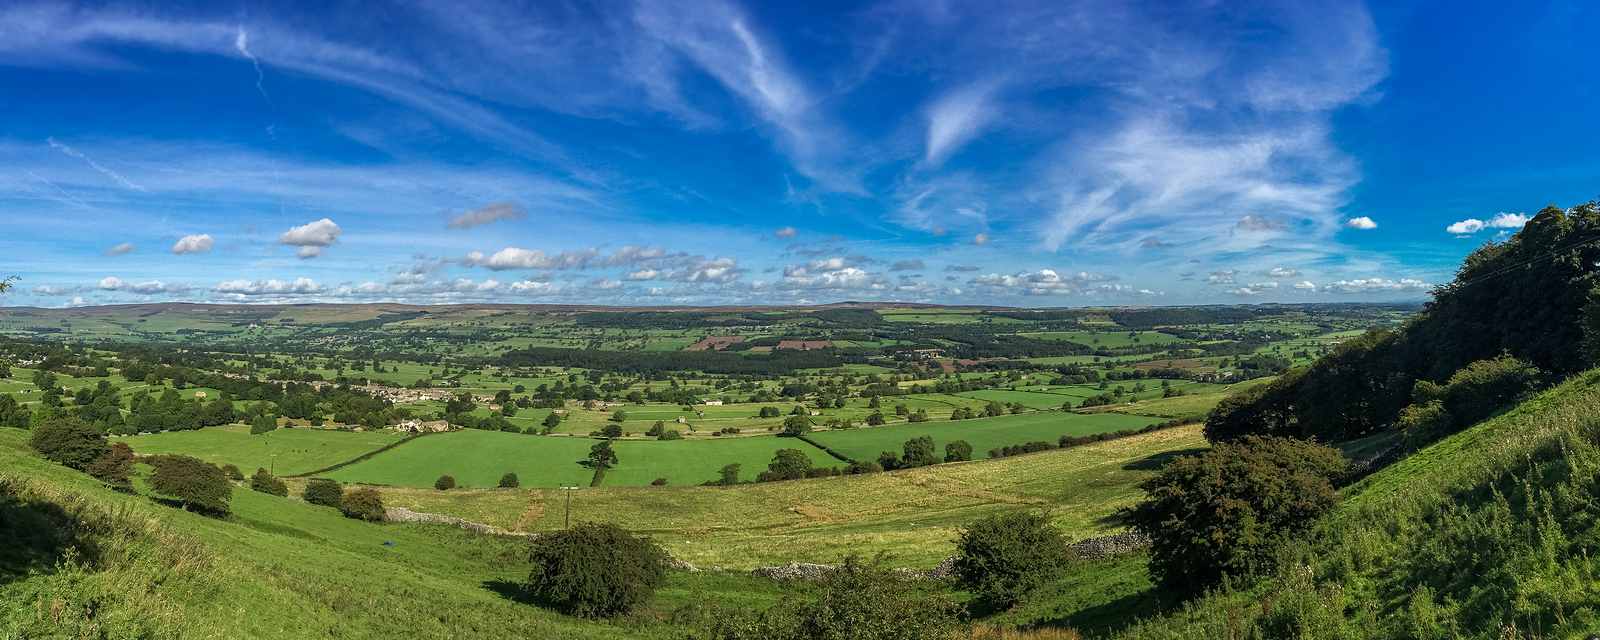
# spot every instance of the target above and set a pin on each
(851, 278)
(1362, 222)
(1222, 276)
(52, 290)
(786, 232)
(247, 288)
(1041, 282)
(701, 269)
(627, 256)
(1260, 223)
(1278, 272)
(1500, 221)
(515, 258)
(1305, 286)
(982, 238)
(1254, 289)
(907, 265)
(1377, 285)
(313, 239)
(150, 288)
(126, 247)
(486, 215)
(194, 244)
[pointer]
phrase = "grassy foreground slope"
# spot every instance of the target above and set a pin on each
(1489, 533)
(82, 561)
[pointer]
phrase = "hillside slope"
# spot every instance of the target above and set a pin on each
(1487, 533)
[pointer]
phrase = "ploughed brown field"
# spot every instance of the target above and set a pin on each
(715, 343)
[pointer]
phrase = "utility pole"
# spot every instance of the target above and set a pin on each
(569, 506)
(274, 466)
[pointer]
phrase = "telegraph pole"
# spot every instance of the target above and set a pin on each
(569, 506)
(274, 464)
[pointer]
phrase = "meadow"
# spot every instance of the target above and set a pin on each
(982, 433)
(298, 450)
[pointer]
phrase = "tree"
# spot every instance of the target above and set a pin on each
(69, 441)
(324, 492)
(231, 471)
(509, 481)
(601, 456)
(770, 412)
(657, 429)
(364, 503)
(796, 425)
(444, 483)
(619, 416)
(876, 419)
(612, 430)
(728, 475)
(902, 410)
(918, 452)
(115, 468)
(859, 600)
(994, 409)
(264, 482)
(550, 421)
(889, 460)
(193, 481)
(788, 464)
(670, 434)
(1224, 512)
(1005, 557)
(958, 451)
(596, 570)
(875, 403)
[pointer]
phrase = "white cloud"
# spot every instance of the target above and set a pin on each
(646, 274)
(194, 244)
(1377, 285)
(1222, 276)
(312, 238)
(1041, 282)
(486, 215)
(1259, 223)
(699, 269)
(126, 247)
(1305, 286)
(634, 255)
(51, 290)
(907, 265)
(247, 288)
(1254, 289)
(1362, 222)
(1278, 272)
(1499, 221)
(848, 278)
(786, 232)
(153, 287)
(956, 119)
(514, 258)
(982, 238)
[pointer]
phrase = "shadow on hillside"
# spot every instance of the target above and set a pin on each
(1157, 461)
(35, 538)
(1105, 620)
(514, 592)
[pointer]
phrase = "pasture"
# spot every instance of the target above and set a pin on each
(983, 433)
(297, 450)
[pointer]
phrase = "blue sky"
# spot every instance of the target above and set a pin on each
(705, 152)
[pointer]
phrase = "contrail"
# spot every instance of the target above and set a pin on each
(74, 153)
(63, 192)
(239, 43)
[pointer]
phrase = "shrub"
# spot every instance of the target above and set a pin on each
(612, 430)
(115, 468)
(444, 483)
(670, 434)
(657, 429)
(796, 425)
(859, 600)
(596, 570)
(619, 416)
(229, 470)
(889, 460)
(658, 482)
(324, 492)
(728, 475)
(509, 481)
(876, 419)
(863, 467)
(262, 424)
(1226, 511)
(918, 452)
(69, 441)
(787, 464)
(957, 451)
(364, 503)
(1007, 556)
(264, 482)
(193, 481)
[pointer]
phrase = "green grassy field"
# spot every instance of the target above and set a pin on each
(479, 458)
(983, 434)
(297, 450)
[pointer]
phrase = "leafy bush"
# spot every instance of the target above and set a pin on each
(918, 452)
(509, 481)
(69, 441)
(596, 570)
(876, 419)
(957, 451)
(194, 482)
(264, 482)
(231, 471)
(115, 468)
(658, 482)
(670, 434)
(262, 424)
(859, 600)
(797, 425)
(657, 429)
(444, 483)
(324, 492)
(1226, 511)
(364, 503)
(1471, 394)
(612, 430)
(787, 464)
(1004, 557)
